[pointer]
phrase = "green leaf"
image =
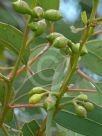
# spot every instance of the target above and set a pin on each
(93, 60)
(41, 78)
(30, 129)
(61, 131)
(99, 86)
(49, 122)
(11, 38)
(49, 4)
(59, 75)
(1, 132)
(51, 59)
(68, 119)
(84, 17)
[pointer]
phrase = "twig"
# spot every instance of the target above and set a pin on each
(79, 90)
(85, 76)
(97, 32)
(25, 105)
(25, 37)
(23, 68)
(6, 68)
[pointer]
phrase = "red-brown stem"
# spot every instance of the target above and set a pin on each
(85, 76)
(97, 32)
(52, 28)
(80, 90)
(23, 68)
(30, 71)
(25, 105)
(6, 68)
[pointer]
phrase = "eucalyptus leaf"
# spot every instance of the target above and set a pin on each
(81, 125)
(59, 75)
(1, 132)
(11, 38)
(93, 60)
(30, 129)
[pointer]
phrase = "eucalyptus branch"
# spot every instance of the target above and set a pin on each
(8, 85)
(23, 47)
(50, 114)
(8, 92)
(72, 70)
(84, 39)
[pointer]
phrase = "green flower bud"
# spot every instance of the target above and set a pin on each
(37, 12)
(66, 51)
(89, 106)
(81, 111)
(70, 43)
(22, 7)
(33, 26)
(75, 49)
(38, 27)
(82, 97)
(51, 37)
(60, 42)
(50, 103)
(37, 90)
(36, 98)
(52, 15)
(84, 51)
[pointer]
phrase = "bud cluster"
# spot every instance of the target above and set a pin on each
(66, 46)
(41, 95)
(82, 105)
(38, 16)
